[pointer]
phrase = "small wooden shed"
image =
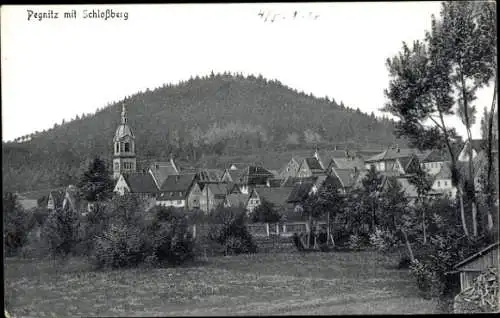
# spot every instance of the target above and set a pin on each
(473, 265)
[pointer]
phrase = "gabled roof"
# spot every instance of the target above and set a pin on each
(211, 175)
(326, 155)
(161, 170)
(277, 196)
(256, 175)
(444, 173)
(406, 161)
(274, 182)
(219, 190)
(236, 175)
(476, 255)
(72, 199)
(347, 163)
(174, 183)
(140, 182)
(313, 164)
(394, 153)
(58, 197)
(347, 177)
(292, 181)
(37, 194)
(237, 199)
(300, 192)
(26, 203)
(477, 144)
(331, 180)
(435, 156)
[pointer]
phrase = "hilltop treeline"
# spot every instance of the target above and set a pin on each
(217, 114)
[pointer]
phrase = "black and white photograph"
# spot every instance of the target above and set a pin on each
(223, 159)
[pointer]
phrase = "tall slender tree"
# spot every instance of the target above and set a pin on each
(95, 184)
(433, 76)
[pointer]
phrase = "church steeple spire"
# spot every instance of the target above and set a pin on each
(124, 114)
(124, 159)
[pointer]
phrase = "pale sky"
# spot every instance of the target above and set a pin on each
(58, 68)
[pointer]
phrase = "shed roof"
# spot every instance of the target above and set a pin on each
(476, 255)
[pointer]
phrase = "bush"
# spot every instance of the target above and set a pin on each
(124, 236)
(384, 241)
(60, 232)
(171, 242)
(230, 231)
(120, 246)
(354, 242)
(265, 213)
(17, 223)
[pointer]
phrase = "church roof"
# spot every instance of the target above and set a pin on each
(122, 131)
(161, 170)
(181, 182)
(140, 183)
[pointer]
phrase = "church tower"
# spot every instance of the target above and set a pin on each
(124, 159)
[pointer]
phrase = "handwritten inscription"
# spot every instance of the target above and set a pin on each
(108, 14)
(269, 16)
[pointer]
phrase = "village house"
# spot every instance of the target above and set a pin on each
(161, 170)
(55, 200)
(236, 200)
(310, 167)
(278, 197)
(304, 188)
(409, 189)
(141, 184)
(175, 190)
(478, 145)
(210, 175)
(247, 178)
(291, 168)
(432, 161)
(395, 161)
(442, 182)
(33, 199)
(349, 178)
(212, 196)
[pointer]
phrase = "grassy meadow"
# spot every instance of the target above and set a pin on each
(261, 284)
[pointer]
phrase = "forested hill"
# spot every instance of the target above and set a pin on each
(219, 114)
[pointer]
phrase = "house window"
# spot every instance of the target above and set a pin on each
(117, 166)
(446, 183)
(117, 149)
(127, 147)
(439, 184)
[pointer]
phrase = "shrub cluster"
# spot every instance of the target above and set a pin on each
(132, 238)
(17, 224)
(230, 232)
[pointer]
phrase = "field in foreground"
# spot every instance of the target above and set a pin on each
(261, 284)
